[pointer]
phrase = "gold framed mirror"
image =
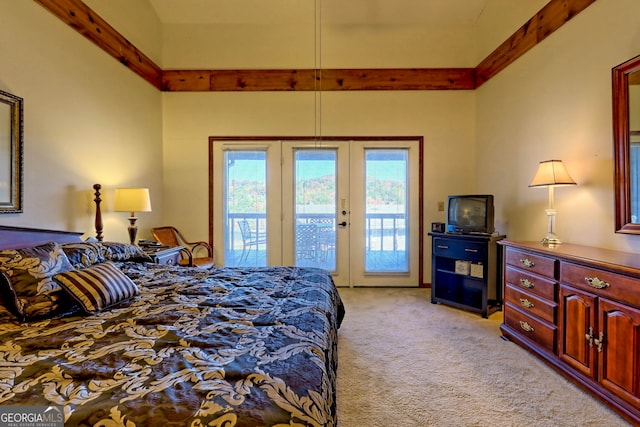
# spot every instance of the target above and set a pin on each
(11, 163)
(626, 145)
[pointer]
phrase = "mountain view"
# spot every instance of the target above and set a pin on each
(250, 196)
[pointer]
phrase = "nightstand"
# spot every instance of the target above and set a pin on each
(165, 255)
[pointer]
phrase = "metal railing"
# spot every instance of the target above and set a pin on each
(381, 225)
(382, 229)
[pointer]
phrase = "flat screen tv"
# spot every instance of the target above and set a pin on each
(470, 214)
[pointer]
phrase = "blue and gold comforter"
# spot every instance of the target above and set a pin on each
(220, 347)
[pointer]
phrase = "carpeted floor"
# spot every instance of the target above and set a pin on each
(406, 362)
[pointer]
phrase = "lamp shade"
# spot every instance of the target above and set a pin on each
(132, 200)
(551, 172)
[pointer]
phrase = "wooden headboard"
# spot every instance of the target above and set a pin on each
(24, 237)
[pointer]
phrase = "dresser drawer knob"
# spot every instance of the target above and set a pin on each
(526, 327)
(527, 263)
(526, 303)
(527, 283)
(599, 342)
(589, 336)
(594, 282)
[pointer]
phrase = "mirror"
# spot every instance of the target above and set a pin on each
(626, 145)
(11, 139)
(11, 149)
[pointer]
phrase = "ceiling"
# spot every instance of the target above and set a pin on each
(334, 12)
(484, 32)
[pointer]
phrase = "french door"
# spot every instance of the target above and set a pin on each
(347, 206)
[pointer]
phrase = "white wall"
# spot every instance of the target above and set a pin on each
(446, 119)
(301, 37)
(87, 119)
(555, 103)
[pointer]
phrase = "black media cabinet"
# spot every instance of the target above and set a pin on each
(466, 272)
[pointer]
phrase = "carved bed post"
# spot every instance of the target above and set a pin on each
(98, 220)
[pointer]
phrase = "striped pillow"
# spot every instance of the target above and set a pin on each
(97, 287)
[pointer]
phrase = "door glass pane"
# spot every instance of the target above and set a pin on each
(245, 208)
(386, 211)
(315, 208)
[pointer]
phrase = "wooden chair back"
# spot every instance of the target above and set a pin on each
(170, 236)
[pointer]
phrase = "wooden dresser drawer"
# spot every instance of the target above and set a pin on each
(614, 286)
(528, 326)
(455, 248)
(531, 262)
(532, 304)
(545, 287)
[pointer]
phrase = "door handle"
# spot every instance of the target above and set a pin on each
(342, 224)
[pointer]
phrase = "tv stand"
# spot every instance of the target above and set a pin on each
(465, 271)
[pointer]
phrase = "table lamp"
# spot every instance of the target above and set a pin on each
(551, 173)
(132, 200)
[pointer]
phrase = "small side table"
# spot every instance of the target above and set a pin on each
(165, 255)
(466, 271)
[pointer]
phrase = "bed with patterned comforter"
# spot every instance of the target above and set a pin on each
(219, 347)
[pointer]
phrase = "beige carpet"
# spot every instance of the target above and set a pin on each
(406, 362)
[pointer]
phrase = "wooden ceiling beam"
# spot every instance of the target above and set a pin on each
(84, 20)
(324, 80)
(399, 79)
(552, 16)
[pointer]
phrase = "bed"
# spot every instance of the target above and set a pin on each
(108, 338)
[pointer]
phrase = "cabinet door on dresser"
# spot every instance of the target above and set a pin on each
(577, 329)
(619, 344)
(604, 307)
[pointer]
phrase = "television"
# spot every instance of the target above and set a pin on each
(470, 214)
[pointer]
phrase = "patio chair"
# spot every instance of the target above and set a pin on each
(326, 236)
(307, 245)
(250, 238)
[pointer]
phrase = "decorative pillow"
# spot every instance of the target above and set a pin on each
(125, 252)
(98, 287)
(84, 254)
(6, 309)
(28, 283)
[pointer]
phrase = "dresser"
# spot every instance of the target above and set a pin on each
(578, 309)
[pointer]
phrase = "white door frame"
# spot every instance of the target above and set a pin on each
(215, 188)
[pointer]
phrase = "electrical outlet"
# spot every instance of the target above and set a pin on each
(441, 206)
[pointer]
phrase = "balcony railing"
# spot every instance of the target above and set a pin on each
(385, 233)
